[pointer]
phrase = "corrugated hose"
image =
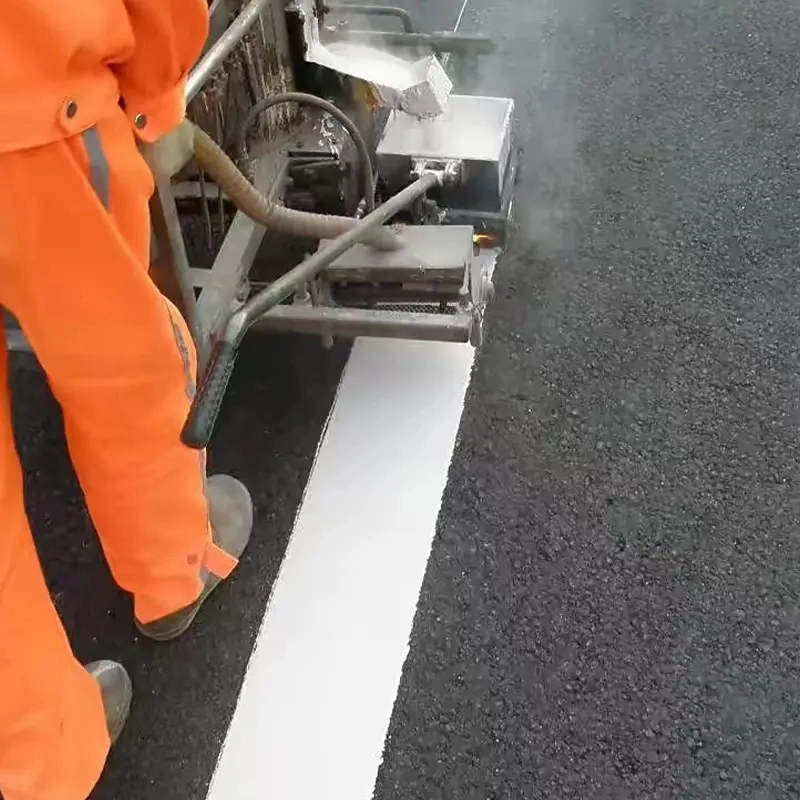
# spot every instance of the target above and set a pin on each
(273, 216)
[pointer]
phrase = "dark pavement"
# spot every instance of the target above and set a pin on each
(611, 606)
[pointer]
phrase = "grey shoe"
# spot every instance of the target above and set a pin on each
(230, 510)
(117, 692)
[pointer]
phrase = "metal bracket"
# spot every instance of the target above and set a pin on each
(372, 11)
(449, 171)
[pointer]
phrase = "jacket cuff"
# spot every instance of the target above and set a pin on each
(155, 117)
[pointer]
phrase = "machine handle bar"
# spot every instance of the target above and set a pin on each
(207, 401)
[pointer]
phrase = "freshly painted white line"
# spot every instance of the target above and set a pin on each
(318, 695)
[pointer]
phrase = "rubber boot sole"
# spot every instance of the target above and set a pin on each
(231, 514)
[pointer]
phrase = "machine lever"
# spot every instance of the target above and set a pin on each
(207, 401)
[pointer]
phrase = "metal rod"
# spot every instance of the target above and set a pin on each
(219, 16)
(443, 42)
(460, 17)
(220, 50)
(459, 20)
(167, 227)
(351, 323)
(236, 255)
(374, 11)
(307, 270)
(304, 99)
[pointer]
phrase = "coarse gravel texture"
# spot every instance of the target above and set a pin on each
(611, 605)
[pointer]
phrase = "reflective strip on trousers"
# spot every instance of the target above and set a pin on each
(190, 388)
(183, 349)
(98, 166)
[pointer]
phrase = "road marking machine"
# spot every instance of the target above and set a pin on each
(340, 186)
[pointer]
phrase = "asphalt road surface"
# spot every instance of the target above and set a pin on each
(610, 607)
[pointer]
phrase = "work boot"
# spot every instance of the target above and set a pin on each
(116, 691)
(230, 510)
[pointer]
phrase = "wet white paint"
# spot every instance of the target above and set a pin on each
(318, 695)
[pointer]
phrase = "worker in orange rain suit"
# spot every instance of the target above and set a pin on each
(87, 88)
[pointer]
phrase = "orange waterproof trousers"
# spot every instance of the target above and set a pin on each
(74, 251)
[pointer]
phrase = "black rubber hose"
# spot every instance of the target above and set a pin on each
(302, 98)
(213, 159)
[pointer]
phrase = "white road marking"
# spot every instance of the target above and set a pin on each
(318, 694)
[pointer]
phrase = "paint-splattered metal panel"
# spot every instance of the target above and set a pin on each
(258, 67)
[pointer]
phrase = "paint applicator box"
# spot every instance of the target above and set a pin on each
(419, 88)
(475, 131)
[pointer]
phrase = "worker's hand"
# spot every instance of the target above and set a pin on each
(168, 155)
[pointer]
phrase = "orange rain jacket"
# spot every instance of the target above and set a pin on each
(66, 64)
